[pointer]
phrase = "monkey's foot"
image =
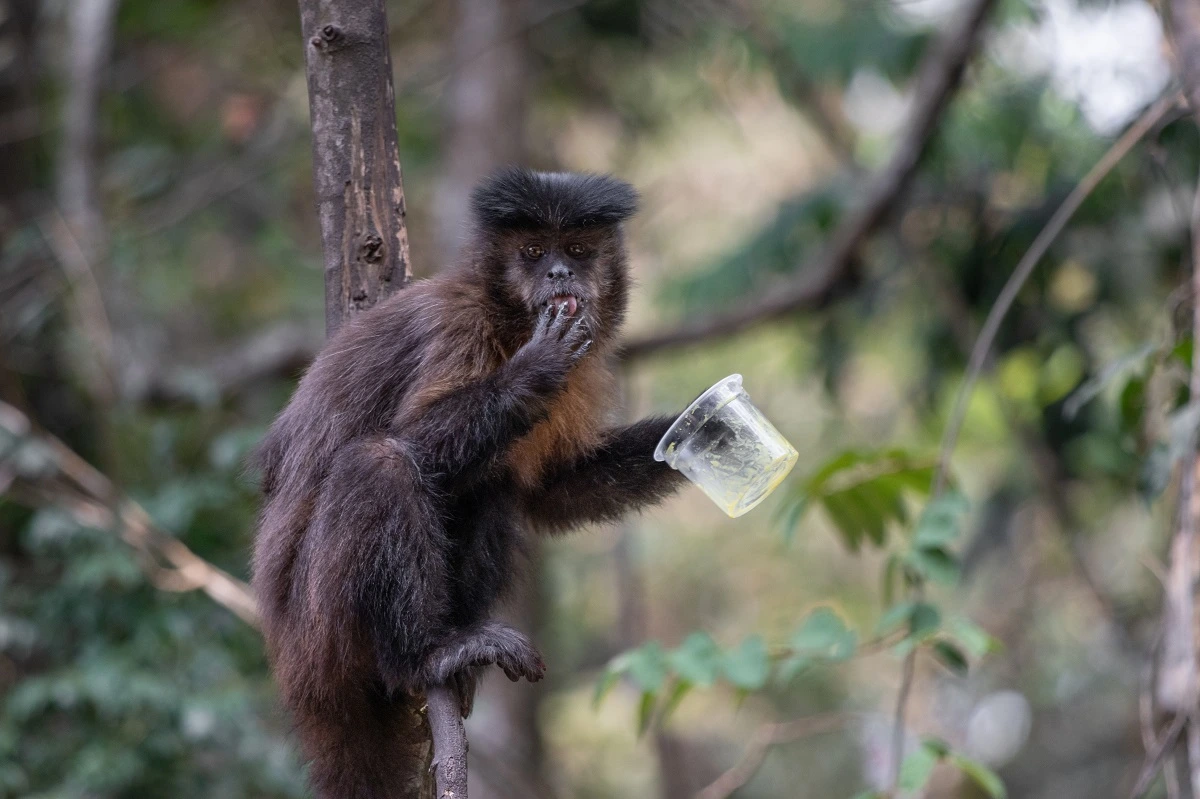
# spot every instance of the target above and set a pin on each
(485, 644)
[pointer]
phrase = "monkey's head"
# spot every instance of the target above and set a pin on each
(555, 237)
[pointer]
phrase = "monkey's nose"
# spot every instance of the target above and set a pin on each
(559, 272)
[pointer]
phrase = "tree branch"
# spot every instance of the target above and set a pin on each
(1028, 263)
(834, 270)
(90, 497)
(765, 737)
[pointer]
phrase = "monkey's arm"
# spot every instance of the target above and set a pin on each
(463, 428)
(619, 476)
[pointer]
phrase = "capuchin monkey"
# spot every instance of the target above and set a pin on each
(429, 436)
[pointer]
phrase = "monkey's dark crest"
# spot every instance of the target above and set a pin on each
(428, 438)
(518, 199)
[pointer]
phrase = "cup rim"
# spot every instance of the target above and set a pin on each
(733, 382)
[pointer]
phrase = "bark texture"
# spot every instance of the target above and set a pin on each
(356, 160)
(360, 202)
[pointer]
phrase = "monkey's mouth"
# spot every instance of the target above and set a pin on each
(566, 302)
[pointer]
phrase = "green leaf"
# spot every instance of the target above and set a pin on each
(951, 657)
(842, 513)
(974, 638)
(936, 564)
(863, 492)
(681, 689)
(937, 746)
(941, 521)
(916, 769)
(845, 648)
(873, 523)
(981, 775)
(1132, 404)
(894, 617)
(648, 667)
(790, 515)
(823, 633)
(697, 660)
(748, 666)
(924, 621)
(820, 631)
(604, 685)
(890, 572)
(1092, 387)
(645, 711)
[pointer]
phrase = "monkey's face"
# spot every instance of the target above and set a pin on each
(581, 270)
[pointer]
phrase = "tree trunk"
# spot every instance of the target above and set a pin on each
(356, 161)
(360, 201)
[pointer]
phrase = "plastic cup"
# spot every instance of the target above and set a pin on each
(725, 445)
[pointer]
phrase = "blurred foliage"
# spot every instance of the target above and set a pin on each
(116, 687)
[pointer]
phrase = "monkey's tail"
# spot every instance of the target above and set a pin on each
(370, 747)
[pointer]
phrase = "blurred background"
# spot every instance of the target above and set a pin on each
(161, 289)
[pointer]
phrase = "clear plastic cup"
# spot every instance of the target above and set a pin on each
(724, 445)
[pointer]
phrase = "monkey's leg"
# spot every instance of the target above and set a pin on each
(619, 476)
(375, 569)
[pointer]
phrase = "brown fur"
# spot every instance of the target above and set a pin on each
(426, 436)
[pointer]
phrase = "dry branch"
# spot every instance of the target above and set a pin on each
(1029, 261)
(767, 736)
(835, 269)
(1178, 684)
(93, 501)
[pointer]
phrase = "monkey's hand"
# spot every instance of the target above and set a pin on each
(559, 341)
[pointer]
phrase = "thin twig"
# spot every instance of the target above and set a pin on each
(899, 730)
(767, 736)
(1028, 262)
(1154, 759)
(1180, 608)
(827, 275)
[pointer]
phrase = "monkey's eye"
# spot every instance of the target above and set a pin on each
(576, 250)
(533, 251)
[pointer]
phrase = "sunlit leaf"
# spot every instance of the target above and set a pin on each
(697, 660)
(648, 667)
(916, 769)
(941, 521)
(820, 631)
(894, 617)
(748, 666)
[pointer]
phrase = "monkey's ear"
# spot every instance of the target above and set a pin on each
(517, 198)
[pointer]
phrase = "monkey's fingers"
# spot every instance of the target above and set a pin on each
(562, 321)
(583, 348)
(545, 319)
